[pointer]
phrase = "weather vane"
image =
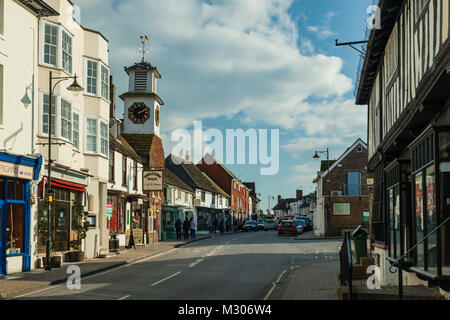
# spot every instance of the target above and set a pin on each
(144, 41)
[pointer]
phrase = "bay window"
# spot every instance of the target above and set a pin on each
(96, 78)
(104, 141)
(105, 82)
(50, 44)
(76, 131)
(66, 52)
(56, 47)
(66, 120)
(45, 114)
(97, 136)
(92, 67)
(91, 135)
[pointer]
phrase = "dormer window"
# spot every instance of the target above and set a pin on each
(140, 81)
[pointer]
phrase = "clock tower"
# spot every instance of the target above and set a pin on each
(141, 103)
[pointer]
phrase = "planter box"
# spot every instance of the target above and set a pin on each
(75, 256)
(55, 262)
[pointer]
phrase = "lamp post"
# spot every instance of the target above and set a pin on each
(75, 88)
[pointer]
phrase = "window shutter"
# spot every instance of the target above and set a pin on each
(140, 81)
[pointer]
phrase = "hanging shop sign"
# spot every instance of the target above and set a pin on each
(153, 181)
(109, 210)
(8, 169)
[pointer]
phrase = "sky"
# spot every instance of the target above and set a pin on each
(247, 64)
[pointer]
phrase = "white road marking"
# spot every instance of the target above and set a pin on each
(125, 297)
(97, 274)
(195, 263)
(165, 279)
(274, 284)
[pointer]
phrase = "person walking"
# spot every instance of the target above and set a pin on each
(215, 225)
(186, 228)
(222, 226)
(192, 227)
(178, 226)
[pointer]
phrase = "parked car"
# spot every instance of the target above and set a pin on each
(250, 226)
(308, 223)
(300, 224)
(270, 224)
(260, 224)
(287, 227)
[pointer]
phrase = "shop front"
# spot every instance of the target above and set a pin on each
(116, 216)
(170, 216)
(16, 174)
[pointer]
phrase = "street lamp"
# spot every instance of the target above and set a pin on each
(75, 88)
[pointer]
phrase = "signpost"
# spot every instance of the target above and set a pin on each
(153, 181)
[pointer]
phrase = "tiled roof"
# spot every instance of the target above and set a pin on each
(284, 204)
(140, 142)
(142, 66)
(171, 178)
(324, 166)
(215, 185)
(190, 172)
(121, 145)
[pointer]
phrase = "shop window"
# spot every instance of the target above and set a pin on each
(444, 178)
(14, 228)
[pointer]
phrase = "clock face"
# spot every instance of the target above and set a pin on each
(139, 113)
(157, 116)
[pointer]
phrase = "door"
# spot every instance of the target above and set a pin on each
(353, 183)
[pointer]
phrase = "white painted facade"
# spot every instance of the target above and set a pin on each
(18, 80)
(89, 153)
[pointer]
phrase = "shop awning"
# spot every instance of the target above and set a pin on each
(67, 185)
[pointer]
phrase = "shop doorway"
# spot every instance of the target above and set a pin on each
(14, 222)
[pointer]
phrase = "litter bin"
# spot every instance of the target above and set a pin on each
(164, 236)
(359, 237)
(114, 244)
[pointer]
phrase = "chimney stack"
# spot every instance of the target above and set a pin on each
(279, 198)
(299, 194)
(188, 156)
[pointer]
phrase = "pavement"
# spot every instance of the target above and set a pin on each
(309, 235)
(21, 283)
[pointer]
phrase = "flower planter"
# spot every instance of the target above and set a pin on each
(55, 262)
(75, 256)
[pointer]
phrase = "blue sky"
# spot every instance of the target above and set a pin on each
(263, 64)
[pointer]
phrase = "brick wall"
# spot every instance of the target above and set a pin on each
(336, 181)
(217, 174)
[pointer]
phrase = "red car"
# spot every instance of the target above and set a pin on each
(287, 227)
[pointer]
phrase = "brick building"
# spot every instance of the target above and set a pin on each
(342, 193)
(226, 180)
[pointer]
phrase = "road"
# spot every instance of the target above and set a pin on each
(242, 266)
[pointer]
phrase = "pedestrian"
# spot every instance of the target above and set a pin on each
(192, 227)
(186, 228)
(215, 225)
(222, 226)
(178, 226)
(235, 224)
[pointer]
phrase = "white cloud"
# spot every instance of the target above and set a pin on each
(221, 58)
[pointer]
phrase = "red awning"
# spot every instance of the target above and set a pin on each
(67, 185)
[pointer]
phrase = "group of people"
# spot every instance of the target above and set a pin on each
(188, 228)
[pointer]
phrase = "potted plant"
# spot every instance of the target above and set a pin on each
(42, 228)
(81, 226)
